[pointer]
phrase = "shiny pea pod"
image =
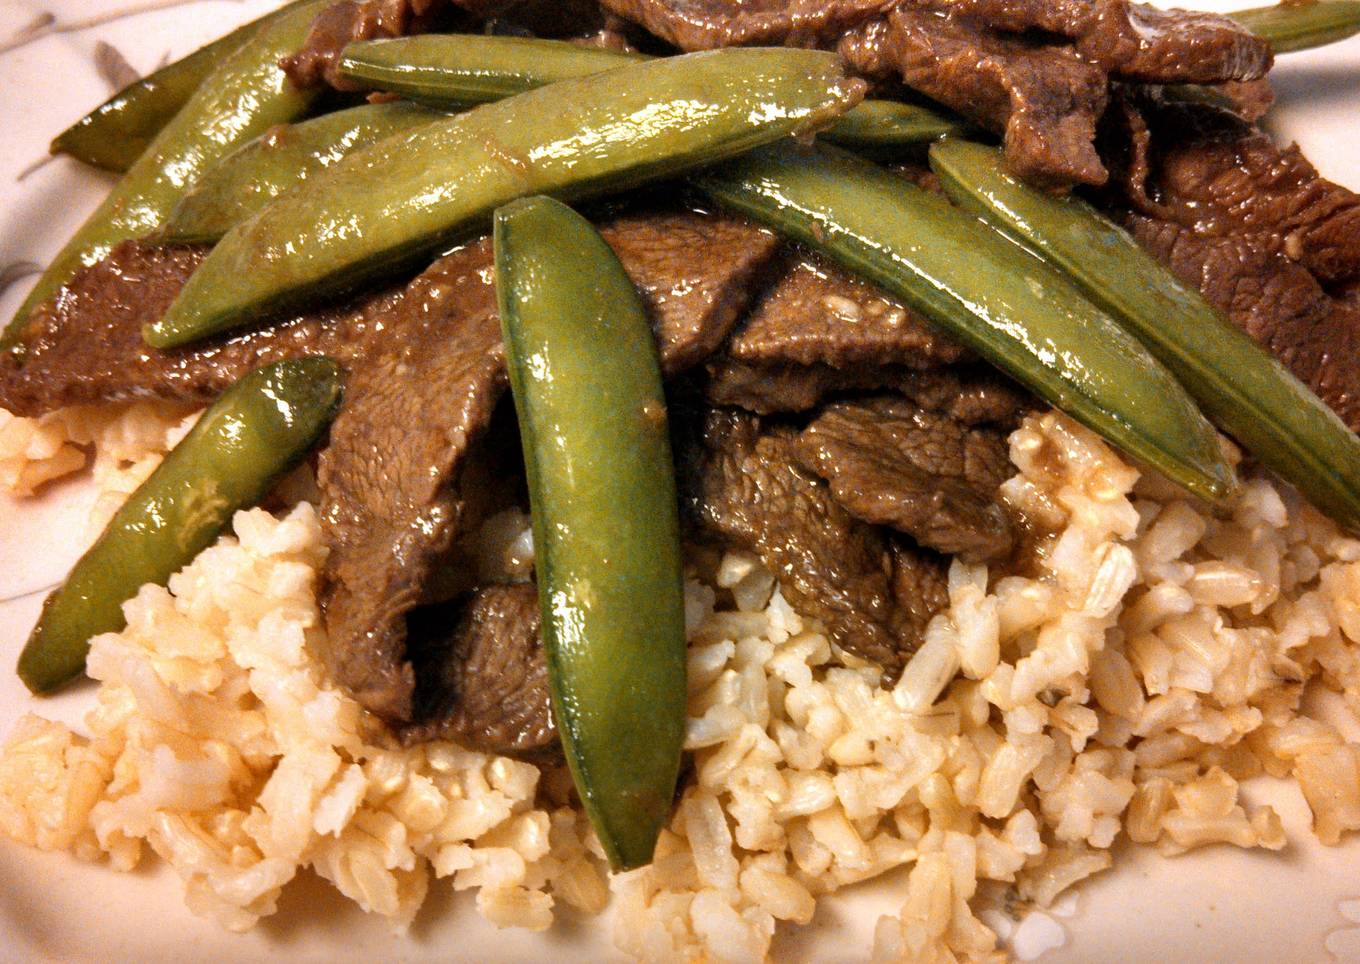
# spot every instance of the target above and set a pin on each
(592, 415)
(391, 204)
(1302, 26)
(256, 431)
(245, 96)
(117, 132)
(250, 177)
(887, 124)
(471, 68)
(1001, 301)
(468, 69)
(1239, 385)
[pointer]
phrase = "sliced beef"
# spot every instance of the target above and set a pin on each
(1275, 300)
(391, 503)
(1183, 46)
(85, 345)
(1132, 41)
(817, 313)
(891, 462)
(706, 24)
(1255, 229)
(741, 483)
(420, 402)
(920, 584)
(482, 677)
(973, 395)
(1043, 96)
(1212, 172)
(696, 273)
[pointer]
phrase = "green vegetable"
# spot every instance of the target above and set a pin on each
(1238, 384)
(996, 298)
(592, 416)
(243, 97)
(446, 69)
(891, 123)
(395, 202)
(1300, 26)
(256, 431)
(250, 177)
(115, 134)
(470, 68)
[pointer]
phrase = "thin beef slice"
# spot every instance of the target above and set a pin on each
(891, 462)
(85, 345)
(482, 679)
(742, 483)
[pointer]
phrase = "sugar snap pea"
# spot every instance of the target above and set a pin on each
(592, 415)
(390, 204)
(472, 69)
(891, 123)
(115, 133)
(1302, 26)
(254, 174)
(246, 95)
(999, 300)
(1239, 385)
(256, 431)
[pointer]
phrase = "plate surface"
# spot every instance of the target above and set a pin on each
(1217, 904)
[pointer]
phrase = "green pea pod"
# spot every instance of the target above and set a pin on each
(445, 69)
(886, 124)
(391, 204)
(245, 96)
(1302, 26)
(257, 430)
(1239, 385)
(250, 177)
(471, 68)
(117, 132)
(592, 416)
(1001, 301)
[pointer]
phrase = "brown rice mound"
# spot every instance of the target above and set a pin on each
(1152, 655)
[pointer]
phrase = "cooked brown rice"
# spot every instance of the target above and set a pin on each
(1155, 656)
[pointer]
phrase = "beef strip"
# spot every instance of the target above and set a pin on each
(1278, 302)
(891, 462)
(1210, 171)
(85, 345)
(394, 502)
(1255, 229)
(706, 24)
(391, 505)
(484, 683)
(696, 274)
(1132, 41)
(817, 313)
(741, 482)
(973, 395)
(1043, 96)
(920, 584)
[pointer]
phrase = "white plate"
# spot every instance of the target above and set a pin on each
(1218, 904)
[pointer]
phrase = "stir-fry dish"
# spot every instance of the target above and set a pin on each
(695, 455)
